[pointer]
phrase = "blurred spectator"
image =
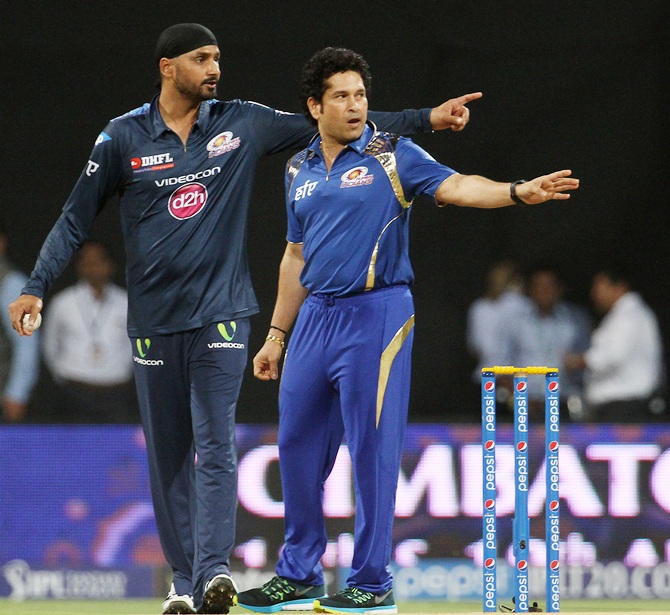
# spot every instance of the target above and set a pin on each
(86, 346)
(550, 329)
(19, 356)
(489, 317)
(624, 363)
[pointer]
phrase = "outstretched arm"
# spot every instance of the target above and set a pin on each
(453, 113)
(290, 296)
(450, 114)
(477, 191)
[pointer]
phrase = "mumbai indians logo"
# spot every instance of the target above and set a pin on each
(489, 386)
(522, 565)
(553, 505)
(489, 563)
(553, 446)
(222, 143)
(356, 177)
(522, 446)
(554, 564)
(489, 504)
(521, 387)
(489, 445)
(142, 349)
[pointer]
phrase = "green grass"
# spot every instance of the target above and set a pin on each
(153, 607)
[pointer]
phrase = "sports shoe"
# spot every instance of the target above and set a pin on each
(175, 604)
(534, 608)
(280, 594)
(354, 600)
(219, 595)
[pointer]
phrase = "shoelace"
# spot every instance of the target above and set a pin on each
(277, 587)
(356, 595)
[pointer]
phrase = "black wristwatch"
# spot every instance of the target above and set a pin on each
(512, 192)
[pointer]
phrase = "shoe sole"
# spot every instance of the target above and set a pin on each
(290, 605)
(386, 610)
(178, 607)
(218, 599)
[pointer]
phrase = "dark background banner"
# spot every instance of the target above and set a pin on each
(580, 85)
(77, 498)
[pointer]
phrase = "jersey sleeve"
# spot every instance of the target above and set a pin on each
(277, 131)
(294, 228)
(419, 172)
(407, 122)
(99, 180)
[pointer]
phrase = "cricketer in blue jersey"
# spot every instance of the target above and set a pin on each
(183, 168)
(346, 275)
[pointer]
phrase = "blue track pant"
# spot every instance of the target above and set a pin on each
(347, 371)
(188, 384)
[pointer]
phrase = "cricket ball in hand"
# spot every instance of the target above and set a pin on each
(38, 322)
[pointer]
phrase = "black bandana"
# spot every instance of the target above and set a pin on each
(182, 38)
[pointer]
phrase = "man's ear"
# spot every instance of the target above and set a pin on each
(314, 107)
(165, 66)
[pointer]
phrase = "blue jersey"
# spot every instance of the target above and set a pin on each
(353, 220)
(183, 208)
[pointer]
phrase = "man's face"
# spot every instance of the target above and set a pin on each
(94, 265)
(604, 293)
(545, 290)
(196, 74)
(343, 110)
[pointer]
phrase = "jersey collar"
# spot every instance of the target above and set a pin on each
(158, 125)
(359, 145)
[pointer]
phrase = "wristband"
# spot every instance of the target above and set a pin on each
(278, 329)
(275, 339)
(512, 192)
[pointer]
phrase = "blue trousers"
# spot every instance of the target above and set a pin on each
(188, 384)
(347, 371)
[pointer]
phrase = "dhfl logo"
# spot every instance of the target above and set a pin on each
(553, 446)
(553, 505)
(489, 504)
(489, 563)
(187, 201)
(554, 564)
(521, 386)
(489, 445)
(522, 446)
(522, 564)
(489, 386)
(553, 386)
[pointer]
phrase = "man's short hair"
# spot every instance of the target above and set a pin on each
(616, 272)
(323, 65)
